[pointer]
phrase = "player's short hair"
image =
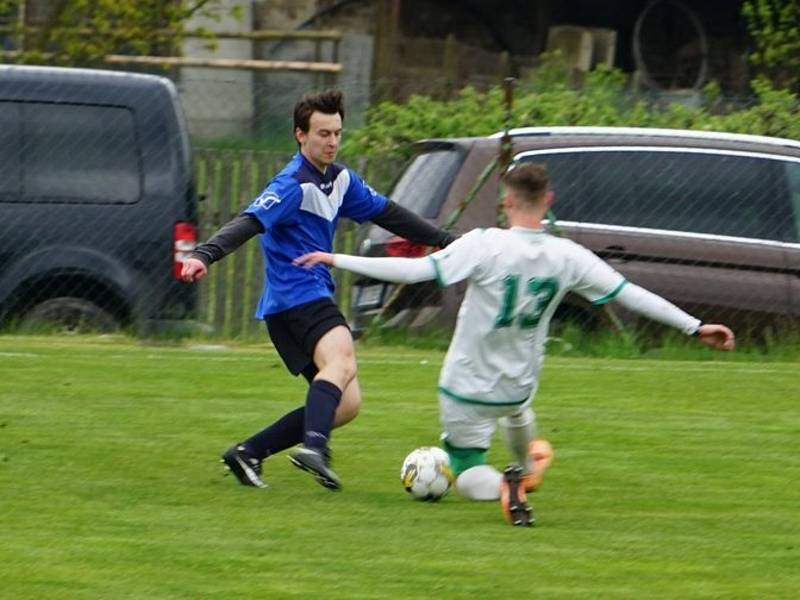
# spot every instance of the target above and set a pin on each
(328, 102)
(528, 179)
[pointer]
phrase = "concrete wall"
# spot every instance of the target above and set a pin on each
(219, 102)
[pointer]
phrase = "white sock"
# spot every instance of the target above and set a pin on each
(518, 433)
(480, 483)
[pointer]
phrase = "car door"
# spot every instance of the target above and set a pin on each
(706, 229)
(10, 187)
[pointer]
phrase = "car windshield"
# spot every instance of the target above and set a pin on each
(423, 186)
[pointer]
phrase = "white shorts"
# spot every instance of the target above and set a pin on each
(467, 425)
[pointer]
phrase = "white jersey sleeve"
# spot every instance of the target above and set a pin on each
(459, 260)
(599, 283)
(657, 308)
(596, 280)
(397, 270)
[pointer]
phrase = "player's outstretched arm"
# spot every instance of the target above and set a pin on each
(227, 239)
(652, 306)
(397, 270)
(716, 336)
(314, 258)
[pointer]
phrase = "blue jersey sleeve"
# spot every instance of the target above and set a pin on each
(276, 203)
(361, 203)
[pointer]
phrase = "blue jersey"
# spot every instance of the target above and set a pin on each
(299, 210)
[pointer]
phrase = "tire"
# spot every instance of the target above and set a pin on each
(68, 315)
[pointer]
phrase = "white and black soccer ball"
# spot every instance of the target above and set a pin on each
(426, 473)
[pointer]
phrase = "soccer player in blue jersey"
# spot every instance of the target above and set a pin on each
(297, 213)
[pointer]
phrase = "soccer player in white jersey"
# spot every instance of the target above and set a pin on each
(517, 277)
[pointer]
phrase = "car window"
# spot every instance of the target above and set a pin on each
(792, 171)
(731, 194)
(564, 171)
(10, 156)
(74, 153)
(424, 184)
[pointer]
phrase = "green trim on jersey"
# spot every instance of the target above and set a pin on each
(439, 279)
(457, 398)
(610, 296)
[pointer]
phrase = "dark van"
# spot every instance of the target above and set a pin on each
(97, 203)
(708, 220)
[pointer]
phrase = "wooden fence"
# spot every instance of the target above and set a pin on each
(229, 180)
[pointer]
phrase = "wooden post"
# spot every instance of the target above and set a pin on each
(22, 17)
(450, 65)
(387, 34)
(504, 64)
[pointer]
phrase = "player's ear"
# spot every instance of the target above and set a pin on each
(548, 198)
(300, 135)
(508, 200)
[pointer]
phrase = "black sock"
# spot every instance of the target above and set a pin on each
(321, 402)
(282, 434)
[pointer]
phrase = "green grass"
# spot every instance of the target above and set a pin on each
(672, 479)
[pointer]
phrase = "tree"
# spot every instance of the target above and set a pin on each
(774, 26)
(83, 32)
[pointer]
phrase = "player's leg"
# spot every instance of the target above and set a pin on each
(334, 355)
(294, 334)
(517, 430)
(244, 459)
(532, 454)
(466, 439)
(350, 405)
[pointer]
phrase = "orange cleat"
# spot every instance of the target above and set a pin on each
(541, 454)
(513, 500)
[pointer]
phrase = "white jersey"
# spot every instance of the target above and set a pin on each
(516, 277)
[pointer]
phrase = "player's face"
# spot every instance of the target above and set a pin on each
(320, 143)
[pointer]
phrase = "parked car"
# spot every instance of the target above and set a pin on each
(97, 200)
(710, 221)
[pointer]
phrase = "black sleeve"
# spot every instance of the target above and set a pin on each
(411, 226)
(228, 238)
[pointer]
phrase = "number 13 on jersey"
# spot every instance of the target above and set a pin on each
(542, 289)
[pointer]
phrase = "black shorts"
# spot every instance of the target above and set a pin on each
(295, 333)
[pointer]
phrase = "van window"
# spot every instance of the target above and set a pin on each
(74, 153)
(424, 184)
(716, 193)
(10, 156)
(564, 172)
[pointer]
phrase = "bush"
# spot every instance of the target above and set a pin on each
(546, 98)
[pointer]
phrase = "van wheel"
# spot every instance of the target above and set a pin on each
(68, 315)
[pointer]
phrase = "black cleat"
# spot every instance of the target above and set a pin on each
(246, 467)
(316, 463)
(513, 499)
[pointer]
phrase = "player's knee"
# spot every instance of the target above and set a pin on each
(523, 418)
(347, 367)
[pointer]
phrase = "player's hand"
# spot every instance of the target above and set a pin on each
(314, 258)
(193, 270)
(716, 336)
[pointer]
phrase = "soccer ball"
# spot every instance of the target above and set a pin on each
(426, 473)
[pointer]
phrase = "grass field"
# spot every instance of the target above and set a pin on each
(672, 480)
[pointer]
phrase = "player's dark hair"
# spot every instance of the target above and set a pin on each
(328, 102)
(529, 179)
